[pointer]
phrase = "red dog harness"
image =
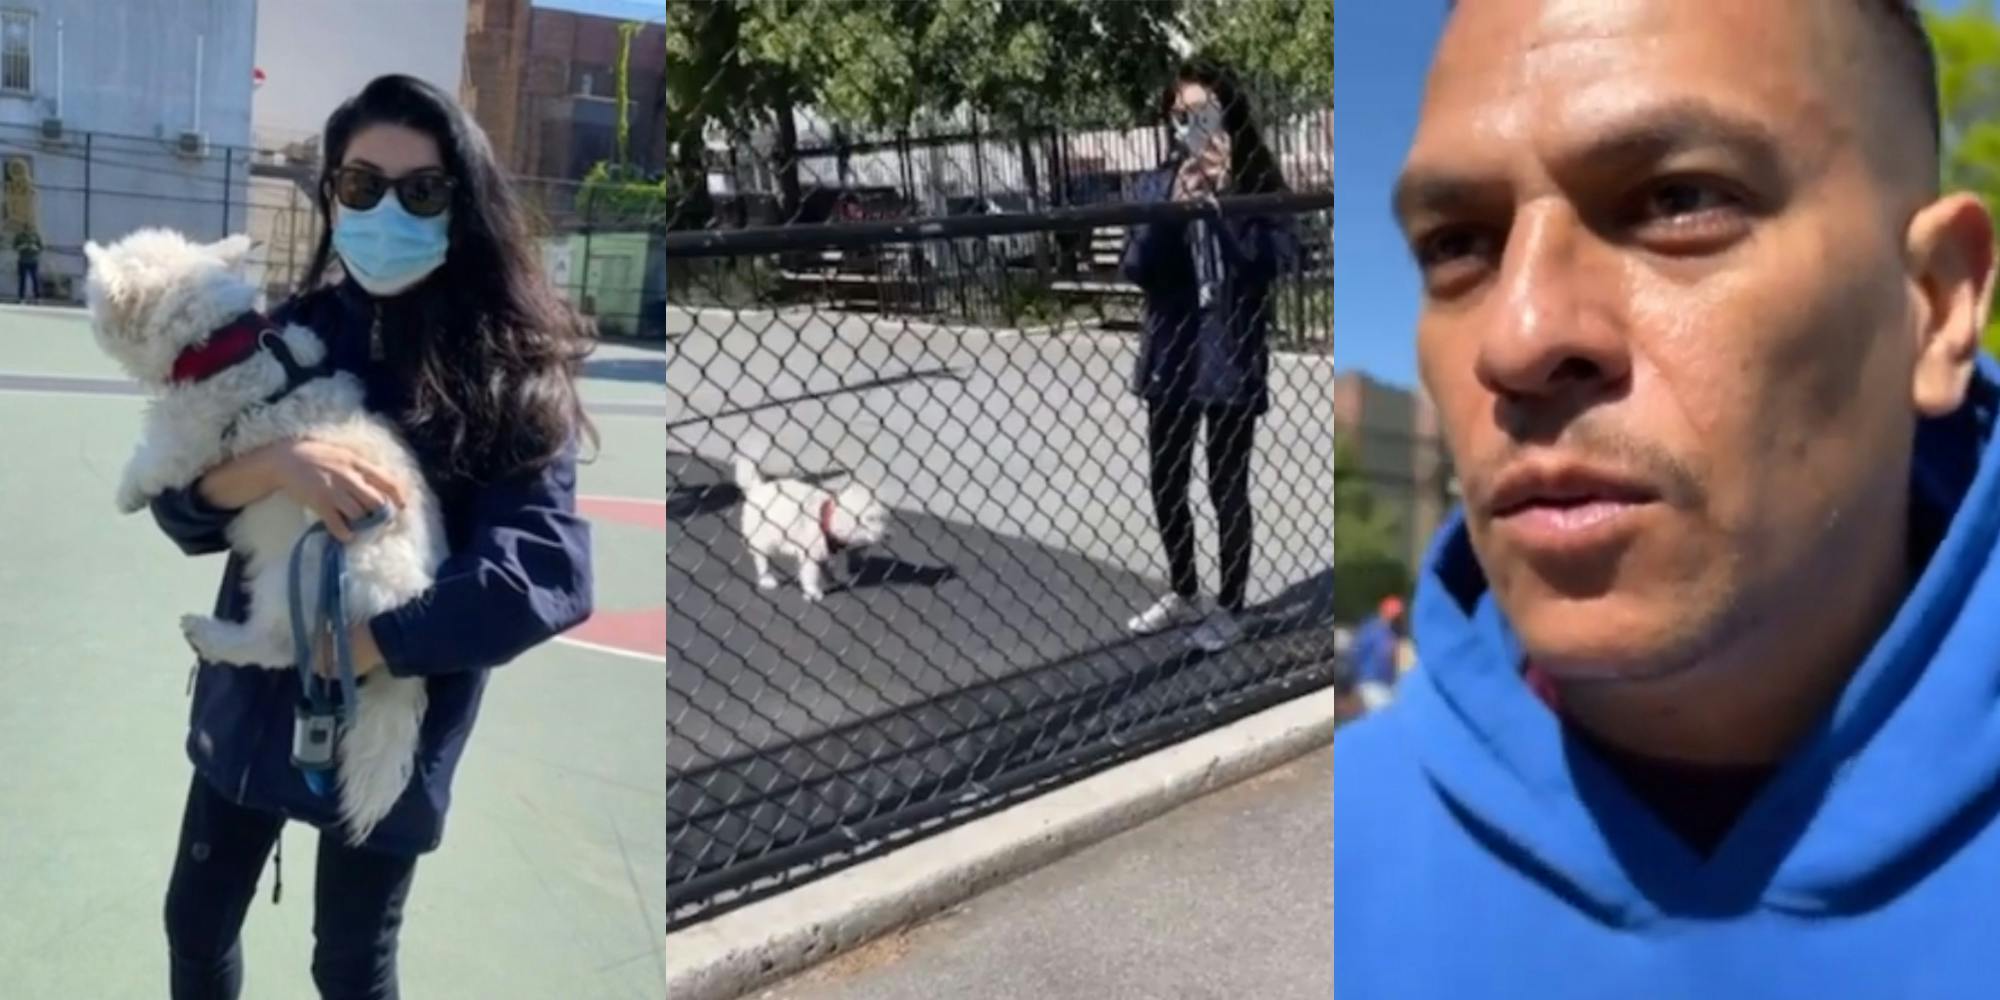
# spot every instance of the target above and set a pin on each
(224, 349)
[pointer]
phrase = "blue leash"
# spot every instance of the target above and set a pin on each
(321, 714)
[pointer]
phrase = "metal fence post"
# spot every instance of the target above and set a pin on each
(584, 298)
(88, 138)
(228, 188)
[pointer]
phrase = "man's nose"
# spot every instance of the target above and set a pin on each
(1556, 328)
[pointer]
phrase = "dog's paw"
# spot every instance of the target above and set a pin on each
(767, 582)
(218, 641)
(199, 631)
(815, 596)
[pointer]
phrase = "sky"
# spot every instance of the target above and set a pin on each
(630, 10)
(1381, 51)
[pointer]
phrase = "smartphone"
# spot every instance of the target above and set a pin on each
(1198, 126)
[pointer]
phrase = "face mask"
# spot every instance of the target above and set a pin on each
(387, 249)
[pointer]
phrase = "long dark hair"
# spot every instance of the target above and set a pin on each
(490, 350)
(1252, 168)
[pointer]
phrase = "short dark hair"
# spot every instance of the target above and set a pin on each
(1909, 49)
(1914, 60)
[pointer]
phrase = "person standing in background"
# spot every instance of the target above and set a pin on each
(28, 253)
(1374, 654)
(1203, 355)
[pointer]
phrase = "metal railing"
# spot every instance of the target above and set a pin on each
(77, 186)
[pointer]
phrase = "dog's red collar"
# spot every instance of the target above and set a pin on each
(833, 542)
(224, 349)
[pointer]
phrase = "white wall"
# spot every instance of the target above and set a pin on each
(317, 53)
(128, 67)
(123, 74)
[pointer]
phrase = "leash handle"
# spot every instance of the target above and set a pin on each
(319, 716)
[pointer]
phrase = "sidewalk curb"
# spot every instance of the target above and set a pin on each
(740, 951)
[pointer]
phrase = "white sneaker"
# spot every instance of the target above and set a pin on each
(1217, 632)
(1166, 613)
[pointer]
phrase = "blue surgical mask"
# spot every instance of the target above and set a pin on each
(388, 250)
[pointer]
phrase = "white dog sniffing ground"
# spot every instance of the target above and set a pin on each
(803, 523)
(177, 316)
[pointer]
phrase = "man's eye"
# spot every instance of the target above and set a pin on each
(1680, 199)
(1445, 246)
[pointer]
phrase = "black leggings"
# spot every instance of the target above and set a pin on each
(357, 904)
(1170, 432)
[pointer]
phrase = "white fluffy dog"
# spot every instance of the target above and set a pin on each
(806, 524)
(177, 316)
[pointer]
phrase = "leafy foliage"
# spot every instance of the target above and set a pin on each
(1968, 52)
(1368, 559)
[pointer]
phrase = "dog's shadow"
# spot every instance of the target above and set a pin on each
(866, 571)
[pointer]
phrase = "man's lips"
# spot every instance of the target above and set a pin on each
(1582, 491)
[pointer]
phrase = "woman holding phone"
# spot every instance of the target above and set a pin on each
(1203, 354)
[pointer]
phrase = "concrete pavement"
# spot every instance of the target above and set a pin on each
(1227, 897)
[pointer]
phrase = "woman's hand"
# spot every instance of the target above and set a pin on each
(362, 653)
(1201, 176)
(333, 482)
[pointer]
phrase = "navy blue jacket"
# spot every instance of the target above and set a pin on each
(1218, 356)
(518, 574)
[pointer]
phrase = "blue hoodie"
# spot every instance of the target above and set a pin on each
(1481, 852)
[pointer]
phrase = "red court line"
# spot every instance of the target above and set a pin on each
(634, 631)
(620, 510)
(642, 632)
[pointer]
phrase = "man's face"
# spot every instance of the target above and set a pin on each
(1666, 319)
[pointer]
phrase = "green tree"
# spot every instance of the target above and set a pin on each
(616, 188)
(739, 64)
(1968, 54)
(1278, 46)
(1368, 559)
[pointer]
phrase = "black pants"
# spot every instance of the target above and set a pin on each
(357, 904)
(1170, 433)
(30, 274)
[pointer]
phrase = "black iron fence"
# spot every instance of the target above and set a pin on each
(812, 172)
(602, 247)
(984, 647)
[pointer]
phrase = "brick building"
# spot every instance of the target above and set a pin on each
(543, 83)
(1400, 452)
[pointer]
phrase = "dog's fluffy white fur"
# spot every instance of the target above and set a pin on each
(155, 294)
(782, 518)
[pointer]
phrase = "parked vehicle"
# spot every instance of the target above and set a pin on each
(1014, 249)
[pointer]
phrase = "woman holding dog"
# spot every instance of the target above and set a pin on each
(1203, 358)
(441, 309)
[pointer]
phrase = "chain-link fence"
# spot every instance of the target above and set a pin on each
(601, 247)
(917, 504)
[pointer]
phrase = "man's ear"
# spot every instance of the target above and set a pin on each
(1950, 253)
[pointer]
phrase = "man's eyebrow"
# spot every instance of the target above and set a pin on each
(1688, 123)
(1630, 142)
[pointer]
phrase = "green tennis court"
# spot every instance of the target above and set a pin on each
(551, 879)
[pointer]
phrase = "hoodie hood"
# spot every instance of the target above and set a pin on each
(1839, 827)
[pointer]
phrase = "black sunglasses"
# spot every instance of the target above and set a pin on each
(422, 194)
